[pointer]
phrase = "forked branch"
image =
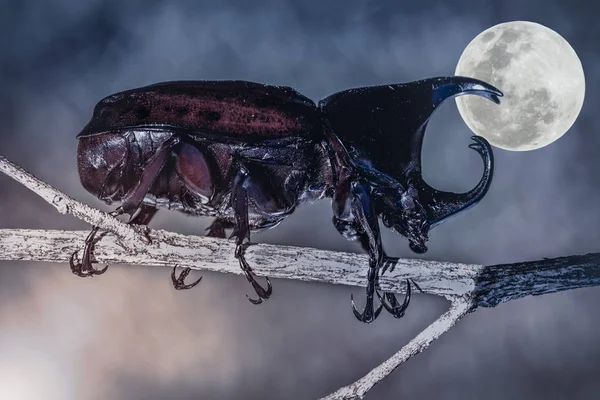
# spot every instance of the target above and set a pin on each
(467, 286)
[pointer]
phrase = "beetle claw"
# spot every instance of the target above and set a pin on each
(84, 268)
(179, 282)
(369, 314)
(262, 293)
(393, 308)
(389, 264)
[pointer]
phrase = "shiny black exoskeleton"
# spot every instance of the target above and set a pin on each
(249, 154)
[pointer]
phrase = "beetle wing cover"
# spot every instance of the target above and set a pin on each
(235, 108)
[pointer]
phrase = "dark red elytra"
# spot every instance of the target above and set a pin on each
(234, 108)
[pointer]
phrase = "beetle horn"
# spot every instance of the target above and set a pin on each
(440, 205)
(452, 86)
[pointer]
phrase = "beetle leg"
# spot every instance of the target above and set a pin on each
(193, 169)
(393, 307)
(241, 231)
(367, 219)
(354, 231)
(85, 268)
(216, 229)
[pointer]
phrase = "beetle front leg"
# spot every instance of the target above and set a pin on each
(364, 211)
(346, 201)
(353, 231)
(241, 231)
(389, 301)
(393, 307)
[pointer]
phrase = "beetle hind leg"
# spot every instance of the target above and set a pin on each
(84, 267)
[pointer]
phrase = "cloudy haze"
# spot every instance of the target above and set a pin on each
(129, 335)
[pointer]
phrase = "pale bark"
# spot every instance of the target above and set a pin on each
(212, 254)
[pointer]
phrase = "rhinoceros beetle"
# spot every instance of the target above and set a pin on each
(248, 154)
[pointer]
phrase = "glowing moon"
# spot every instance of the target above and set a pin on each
(541, 78)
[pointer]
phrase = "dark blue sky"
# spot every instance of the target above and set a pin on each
(128, 334)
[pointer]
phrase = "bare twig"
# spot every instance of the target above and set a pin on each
(459, 308)
(468, 286)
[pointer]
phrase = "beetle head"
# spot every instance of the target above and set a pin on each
(404, 214)
(102, 162)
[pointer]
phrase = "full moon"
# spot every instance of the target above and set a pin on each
(541, 78)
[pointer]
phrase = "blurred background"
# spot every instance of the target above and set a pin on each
(129, 335)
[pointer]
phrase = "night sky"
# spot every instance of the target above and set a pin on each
(129, 335)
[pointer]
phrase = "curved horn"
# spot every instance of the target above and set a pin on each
(441, 205)
(453, 86)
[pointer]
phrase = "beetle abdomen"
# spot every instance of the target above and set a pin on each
(235, 108)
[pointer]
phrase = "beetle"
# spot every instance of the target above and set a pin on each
(249, 154)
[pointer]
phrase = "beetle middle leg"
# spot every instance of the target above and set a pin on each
(366, 217)
(241, 231)
(356, 220)
(353, 230)
(216, 229)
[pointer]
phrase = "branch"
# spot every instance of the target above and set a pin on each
(467, 286)
(497, 284)
(306, 264)
(486, 286)
(357, 390)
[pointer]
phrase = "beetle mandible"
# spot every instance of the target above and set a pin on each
(248, 154)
